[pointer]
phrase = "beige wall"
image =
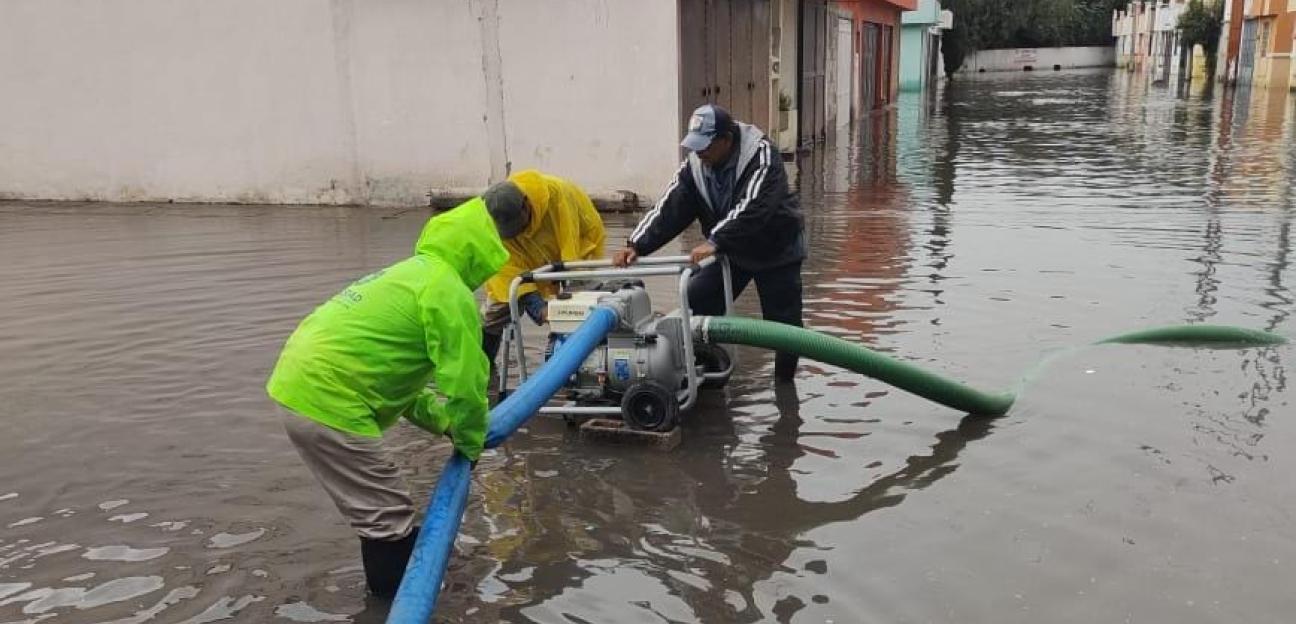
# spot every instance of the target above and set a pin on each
(330, 101)
(1040, 59)
(1272, 70)
(591, 90)
(1291, 81)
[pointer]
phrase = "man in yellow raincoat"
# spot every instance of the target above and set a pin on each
(554, 221)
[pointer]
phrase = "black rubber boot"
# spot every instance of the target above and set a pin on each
(785, 366)
(491, 345)
(384, 562)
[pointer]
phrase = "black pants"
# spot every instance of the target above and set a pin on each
(779, 289)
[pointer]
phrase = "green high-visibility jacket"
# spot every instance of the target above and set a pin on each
(365, 357)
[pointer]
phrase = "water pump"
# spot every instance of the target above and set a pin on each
(648, 370)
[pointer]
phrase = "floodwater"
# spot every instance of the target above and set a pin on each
(145, 477)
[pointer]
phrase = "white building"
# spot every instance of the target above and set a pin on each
(1168, 60)
(1147, 38)
(379, 101)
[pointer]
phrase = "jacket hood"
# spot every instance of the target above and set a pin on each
(750, 138)
(538, 188)
(465, 238)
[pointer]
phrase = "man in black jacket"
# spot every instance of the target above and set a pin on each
(733, 184)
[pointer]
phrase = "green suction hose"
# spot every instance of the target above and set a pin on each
(1198, 335)
(838, 352)
(947, 392)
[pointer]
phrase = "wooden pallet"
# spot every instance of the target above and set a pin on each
(609, 431)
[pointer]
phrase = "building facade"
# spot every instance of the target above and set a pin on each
(385, 102)
(920, 40)
(1269, 46)
(1257, 43)
(850, 59)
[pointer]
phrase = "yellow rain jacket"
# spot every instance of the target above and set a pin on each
(564, 226)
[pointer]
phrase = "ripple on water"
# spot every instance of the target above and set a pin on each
(123, 553)
(230, 540)
(46, 599)
(173, 597)
(128, 518)
(302, 612)
(8, 589)
(224, 609)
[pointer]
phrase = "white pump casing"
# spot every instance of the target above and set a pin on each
(566, 314)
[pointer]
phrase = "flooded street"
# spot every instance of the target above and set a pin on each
(976, 232)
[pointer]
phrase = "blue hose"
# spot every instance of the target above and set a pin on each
(418, 591)
(416, 600)
(514, 411)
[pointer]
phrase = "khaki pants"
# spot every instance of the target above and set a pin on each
(358, 475)
(495, 317)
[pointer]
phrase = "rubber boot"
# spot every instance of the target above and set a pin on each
(785, 366)
(491, 345)
(384, 562)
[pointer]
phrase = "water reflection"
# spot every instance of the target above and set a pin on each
(694, 550)
(858, 256)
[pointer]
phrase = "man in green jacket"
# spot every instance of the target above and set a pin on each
(365, 358)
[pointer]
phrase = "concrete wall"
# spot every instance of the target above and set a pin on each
(916, 46)
(331, 101)
(1040, 59)
(784, 15)
(913, 56)
(1273, 64)
(1291, 73)
(1272, 70)
(591, 90)
(925, 12)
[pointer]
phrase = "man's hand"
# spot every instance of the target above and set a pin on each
(702, 252)
(535, 307)
(625, 257)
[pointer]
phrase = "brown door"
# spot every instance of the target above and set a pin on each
(763, 48)
(740, 53)
(695, 54)
(884, 56)
(724, 57)
(719, 28)
(812, 108)
(869, 65)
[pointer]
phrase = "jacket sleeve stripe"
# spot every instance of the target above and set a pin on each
(652, 215)
(753, 189)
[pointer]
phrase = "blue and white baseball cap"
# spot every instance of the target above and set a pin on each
(706, 122)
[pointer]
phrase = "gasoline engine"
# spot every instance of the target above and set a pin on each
(642, 364)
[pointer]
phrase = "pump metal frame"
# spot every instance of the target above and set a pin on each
(603, 269)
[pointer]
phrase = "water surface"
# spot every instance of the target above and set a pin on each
(974, 231)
